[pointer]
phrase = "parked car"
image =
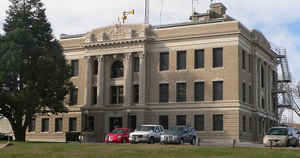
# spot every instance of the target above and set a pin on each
(146, 134)
(118, 135)
(281, 136)
(179, 135)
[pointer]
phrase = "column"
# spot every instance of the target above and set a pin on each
(128, 79)
(88, 80)
(142, 78)
(100, 81)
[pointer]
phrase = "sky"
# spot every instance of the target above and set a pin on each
(278, 20)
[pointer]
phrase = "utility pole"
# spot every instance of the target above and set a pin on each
(146, 11)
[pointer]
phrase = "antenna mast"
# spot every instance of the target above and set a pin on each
(146, 11)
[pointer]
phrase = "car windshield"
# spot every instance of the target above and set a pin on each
(145, 128)
(277, 131)
(118, 131)
(175, 129)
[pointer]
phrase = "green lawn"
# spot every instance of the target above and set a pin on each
(75, 150)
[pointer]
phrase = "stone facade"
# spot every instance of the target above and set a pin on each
(245, 115)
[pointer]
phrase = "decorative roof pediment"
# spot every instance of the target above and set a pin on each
(116, 34)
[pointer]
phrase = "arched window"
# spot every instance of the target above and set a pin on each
(117, 69)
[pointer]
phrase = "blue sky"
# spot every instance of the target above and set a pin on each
(278, 20)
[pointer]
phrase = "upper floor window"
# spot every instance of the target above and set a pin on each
(74, 67)
(95, 65)
(117, 94)
(243, 59)
(136, 64)
(262, 76)
(164, 93)
(94, 96)
(244, 123)
(244, 92)
(199, 91)
(117, 69)
(250, 63)
(181, 92)
(181, 60)
(73, 96)
(218, 57)
(136, 93)
(164, 61)
(181, 120)
(217, 90)
(199, 58)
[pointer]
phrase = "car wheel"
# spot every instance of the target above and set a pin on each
(151, 140)
(193, 141)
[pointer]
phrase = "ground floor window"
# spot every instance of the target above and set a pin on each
(181, 120)
(89, 123)
(31, 127)
(218, 122)
(72, 124)
(58, 124)
(45, 125)
(199, 122)
(164, 121)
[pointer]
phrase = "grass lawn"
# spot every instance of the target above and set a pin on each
(75, 150)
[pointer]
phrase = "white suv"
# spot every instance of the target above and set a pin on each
(146, 134)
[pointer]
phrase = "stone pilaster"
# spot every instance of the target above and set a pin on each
(100, 82)
(88, 80)
(142, 79)
(128, 80)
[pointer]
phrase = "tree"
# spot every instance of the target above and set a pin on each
(34, 76)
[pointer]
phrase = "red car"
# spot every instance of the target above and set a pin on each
(118, 135)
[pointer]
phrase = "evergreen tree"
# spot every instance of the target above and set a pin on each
(34, 76)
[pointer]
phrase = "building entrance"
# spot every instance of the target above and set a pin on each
(115, 122)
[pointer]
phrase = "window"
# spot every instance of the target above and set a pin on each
(199, 59)
(250, 63)
(244, 123)
(94, 96)
(263, 103)
(136, 93)
(117, 94)
(31, 127)
(72, 124)
(90, 123)
(58, 124)
(136, 64)
(244, 92)
(181, 120)
(117, 69)
(199, 122)
(218, 122)
(250, 124)
(45, 125)
(73, 96)
(164, 93)
(218, 57)
(181, 92)
(74, 67)
(164, 121)
(250, 95)
(181, 60)
(243, 59)
(95, 67)
(164, 61)
(199, 91)
(217, 90)
(262, 76)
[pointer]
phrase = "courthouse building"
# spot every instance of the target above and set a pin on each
(211, 73)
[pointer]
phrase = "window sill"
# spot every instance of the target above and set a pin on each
(44, 132)
(60, 132)
(218, 68)
(163, 71)
(181, 70)
(31, 132)
(218, 132)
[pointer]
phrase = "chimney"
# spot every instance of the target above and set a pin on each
(217, 10)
